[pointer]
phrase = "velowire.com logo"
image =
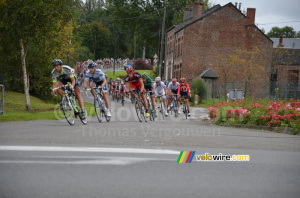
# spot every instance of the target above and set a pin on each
(187, 157)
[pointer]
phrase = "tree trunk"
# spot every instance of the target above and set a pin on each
(134, 45)
(25, 77)
(144, 50)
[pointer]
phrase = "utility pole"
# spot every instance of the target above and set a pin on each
(162, 42)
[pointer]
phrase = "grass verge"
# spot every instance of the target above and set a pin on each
(15, 109)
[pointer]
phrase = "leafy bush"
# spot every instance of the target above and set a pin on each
(140, 64)
(199, 88)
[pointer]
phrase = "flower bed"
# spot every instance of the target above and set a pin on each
(258, 112)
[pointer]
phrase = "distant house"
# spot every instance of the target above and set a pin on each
(286, 68)
(197, 43)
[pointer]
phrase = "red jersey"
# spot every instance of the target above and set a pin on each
(134, 79)
(184, 88)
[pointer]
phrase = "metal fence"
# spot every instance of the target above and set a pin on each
(2, 99)
(258, 89)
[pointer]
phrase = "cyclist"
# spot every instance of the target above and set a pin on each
(136, 82)
(113, 88)
(109, 85)
(173, 89)
(148, 83)
(160, 89)
(63, 74)
(184, 91)
(122, 88)
(118, 83)
(98, 79)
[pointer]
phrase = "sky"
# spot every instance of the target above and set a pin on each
(271, 13)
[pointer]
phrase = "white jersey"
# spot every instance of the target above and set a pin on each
(173, 87)
(159, 89)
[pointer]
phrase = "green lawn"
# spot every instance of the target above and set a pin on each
(15, 110)
(122, 74)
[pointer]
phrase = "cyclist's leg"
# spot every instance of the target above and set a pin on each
(105, 98)
(145, 101)
(153, 100)
(79, 98)
(92, 85)
(187, 104)
(164, 101)
(58, 84)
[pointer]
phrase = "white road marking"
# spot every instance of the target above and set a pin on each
(88, 149)
(71, 160)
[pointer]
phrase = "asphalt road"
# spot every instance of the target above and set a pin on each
(126, 158)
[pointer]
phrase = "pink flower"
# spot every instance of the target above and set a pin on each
(298, 109)
(274, 116)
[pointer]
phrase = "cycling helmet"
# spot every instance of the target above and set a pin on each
(122, 83)
(182, 80)
(56, 62)
(129, 69)
(144, 75)
(157, 79)
(92, 65)
(174, 80)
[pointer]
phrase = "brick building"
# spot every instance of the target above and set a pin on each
(286, 68)
(203, 37)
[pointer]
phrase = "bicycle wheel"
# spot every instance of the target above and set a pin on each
(117, 96)
(150, 109)
(107, 118)
(123, 100)
(143, 111)
(185, 110)
(162, 110)
(175, 108)
(83, 120)
(113, 96)
(98, 110)
(137, 109)
(68, 110)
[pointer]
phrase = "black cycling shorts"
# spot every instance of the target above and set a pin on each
(174, 91)
(99, 84)
(184, 94)
(149, 88)
(65, 81)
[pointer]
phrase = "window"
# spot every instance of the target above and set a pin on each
(293, 78)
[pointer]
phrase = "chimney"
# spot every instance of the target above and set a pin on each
(235, 4)
(188, 12)
(250, 16)
(240, 4)
(280, 42)
(197, 8)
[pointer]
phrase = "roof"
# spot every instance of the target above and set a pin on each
(185, 23)
(209, 73)
(205, 14)
(292, 43)
(284, 56)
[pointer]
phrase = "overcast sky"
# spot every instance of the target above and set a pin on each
(271, 13)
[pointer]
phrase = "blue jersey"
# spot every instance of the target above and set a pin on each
(98, 76)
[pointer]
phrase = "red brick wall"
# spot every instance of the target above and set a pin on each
(217, 35)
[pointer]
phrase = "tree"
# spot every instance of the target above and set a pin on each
(287, 32)
(29, 22)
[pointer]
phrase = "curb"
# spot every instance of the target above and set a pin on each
(285, 130)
